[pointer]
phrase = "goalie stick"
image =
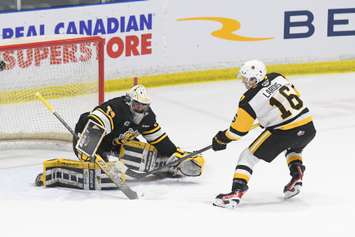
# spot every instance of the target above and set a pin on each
(107, 169)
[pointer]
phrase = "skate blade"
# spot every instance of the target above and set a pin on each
(291, 194)
(220, 203)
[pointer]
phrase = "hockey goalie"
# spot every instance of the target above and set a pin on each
(125, 133)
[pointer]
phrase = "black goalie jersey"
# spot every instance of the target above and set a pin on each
(117, 119)
(274, 102)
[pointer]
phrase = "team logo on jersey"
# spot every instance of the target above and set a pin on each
(126, 123)
(128, 135)
(265, 83)
(229, 26)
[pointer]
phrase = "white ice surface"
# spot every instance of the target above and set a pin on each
(191, 115)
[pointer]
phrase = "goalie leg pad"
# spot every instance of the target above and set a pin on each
(143, 157)
(139, 156)
(73, 174)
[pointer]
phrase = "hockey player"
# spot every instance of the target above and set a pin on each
(125, 118)
(276, 104)
(112, 131)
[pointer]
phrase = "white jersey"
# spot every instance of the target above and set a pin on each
(274, 102)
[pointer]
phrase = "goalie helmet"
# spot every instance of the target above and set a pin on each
(138, 102)
(251, 73)
(139, 93)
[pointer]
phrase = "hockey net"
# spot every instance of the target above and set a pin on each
(68, 72)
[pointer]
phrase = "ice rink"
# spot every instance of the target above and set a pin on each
(192, 115)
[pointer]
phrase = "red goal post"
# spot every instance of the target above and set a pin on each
(67, 71)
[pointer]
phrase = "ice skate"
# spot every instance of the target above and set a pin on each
(294, 186)
(228, 200)
(232, 199)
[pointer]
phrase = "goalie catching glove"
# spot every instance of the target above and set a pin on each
(188, 167)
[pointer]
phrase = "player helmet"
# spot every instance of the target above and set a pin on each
(138, 99)
(251, 73)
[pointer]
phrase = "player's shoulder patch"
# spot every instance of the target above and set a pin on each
(265, 83)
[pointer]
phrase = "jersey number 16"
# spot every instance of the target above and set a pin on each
(294, 101)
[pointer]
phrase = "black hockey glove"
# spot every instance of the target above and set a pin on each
(2, 65)
(220, 141)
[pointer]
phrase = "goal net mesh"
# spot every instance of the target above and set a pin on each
(68, 72)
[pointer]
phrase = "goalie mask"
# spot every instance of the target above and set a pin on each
(138, 102)
(251, 73)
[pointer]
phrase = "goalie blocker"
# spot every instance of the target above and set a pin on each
(90, 139)
(135, 155)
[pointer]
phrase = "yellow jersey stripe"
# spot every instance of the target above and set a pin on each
(97, 119)
(297, 123)
(108, 116)
(151, 131)
(236, 137)
(158, 140)
(232, 136)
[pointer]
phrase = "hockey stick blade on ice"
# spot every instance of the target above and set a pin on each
(109, 171)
